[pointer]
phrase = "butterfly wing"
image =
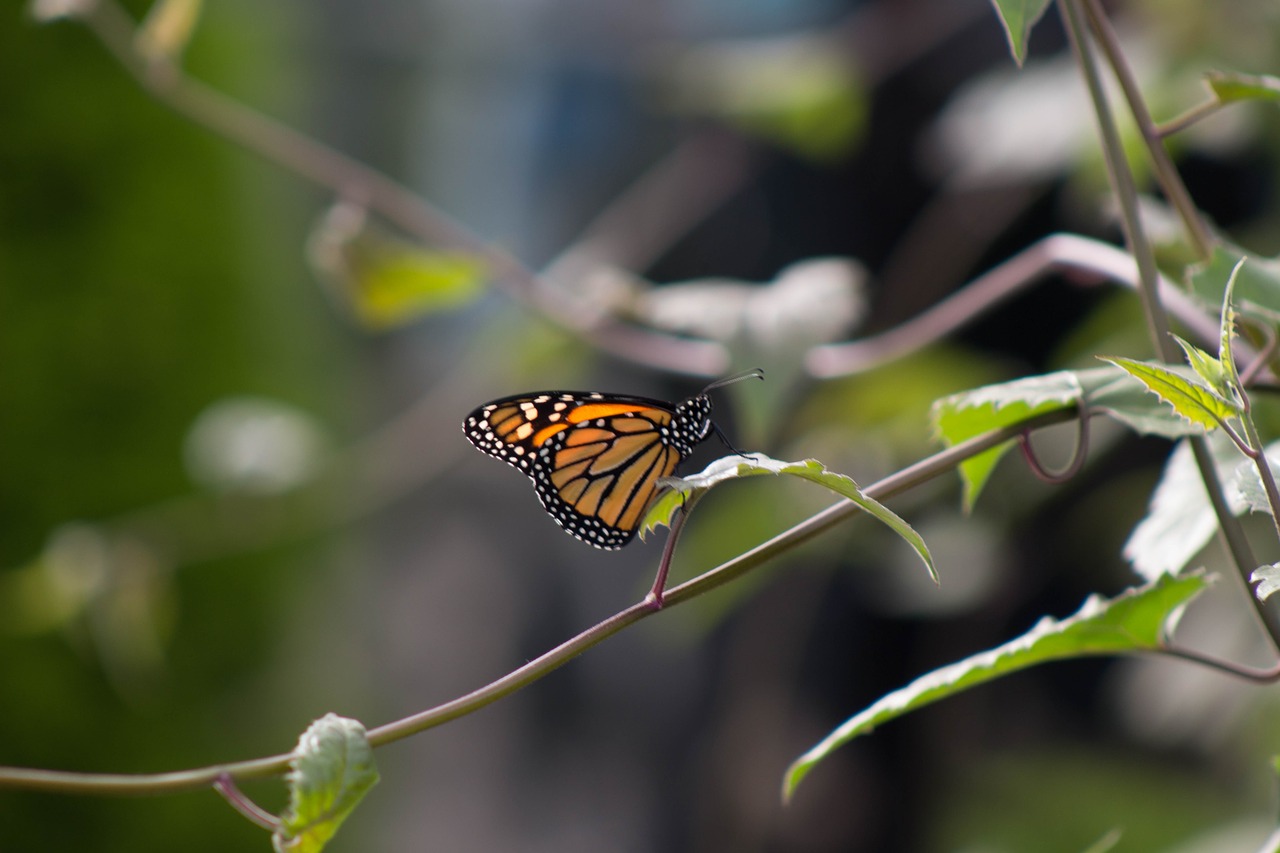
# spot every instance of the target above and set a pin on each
(595, 460)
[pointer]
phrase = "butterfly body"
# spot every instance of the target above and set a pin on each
(595, 459)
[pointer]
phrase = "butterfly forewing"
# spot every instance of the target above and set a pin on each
(595, 459)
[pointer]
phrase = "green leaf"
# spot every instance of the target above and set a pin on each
(755, 464)
(1018, 17)
(962, 416)
(1255, 286)
(1180, 520)
(1267, 579)
(1229, 86)
(1133, 621)
(332, 770)
(1244, 483)
(1194, 402)
(1228, 326)
(397, 284)
(1207, 368)
(385, 281)
(970, 413)
(1126, 399)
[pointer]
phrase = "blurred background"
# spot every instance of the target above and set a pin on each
(234, 494)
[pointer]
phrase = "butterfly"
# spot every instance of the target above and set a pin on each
(595, 459)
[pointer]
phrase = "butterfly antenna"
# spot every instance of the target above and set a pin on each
(753, 373)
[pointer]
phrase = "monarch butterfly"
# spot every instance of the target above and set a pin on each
(595, 459)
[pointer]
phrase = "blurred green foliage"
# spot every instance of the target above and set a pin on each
(147, 269)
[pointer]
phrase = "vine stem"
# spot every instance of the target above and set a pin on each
(1166, 173)
(366, 187)
(1254, 447)
(1237, 545)
(254, 813)
(1186, 119)
(1268, 675)
(1078, 456)
(1087, 261)
(1258, 453)
(67, 782)
(655, 597)
(351, 178)
(1122, 184)
(1260, 360)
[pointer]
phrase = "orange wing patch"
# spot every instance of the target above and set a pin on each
(613, 482)
(594, 459)
(594, 411)
(541, 436)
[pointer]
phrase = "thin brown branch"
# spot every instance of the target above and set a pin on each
(254, 813)
(1166, 173)
(125, 784)
(1121, 179)
(1260, 361)
(1267, 675)
(1179, 123)
(368, 188)
(1078, 455)
(1092, 261)
(656, 596)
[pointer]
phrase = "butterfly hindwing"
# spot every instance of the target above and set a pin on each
(594, 459)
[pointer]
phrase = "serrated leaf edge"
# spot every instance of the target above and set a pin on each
(1045, 629)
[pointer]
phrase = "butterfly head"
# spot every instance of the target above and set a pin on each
(692, 423)
(697, 410)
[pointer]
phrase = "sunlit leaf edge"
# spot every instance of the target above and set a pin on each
(755, 464)
(1267, 579)
(1230, 86)
(1194, 402)
(1132, 621)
